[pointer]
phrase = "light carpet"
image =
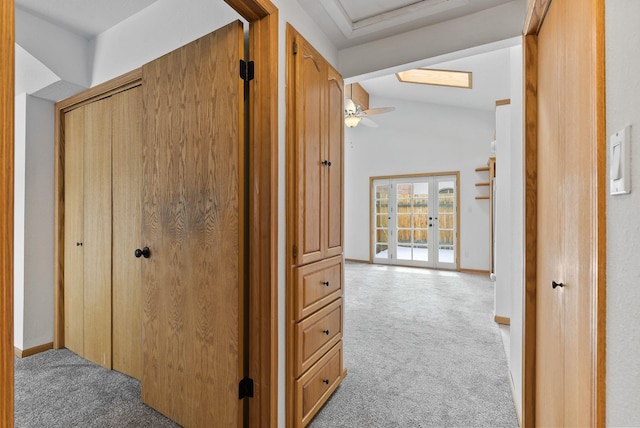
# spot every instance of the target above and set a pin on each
(60, 389)
(421, 350)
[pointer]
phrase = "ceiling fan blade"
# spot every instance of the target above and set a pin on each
(349, 105)
(368, 122)
(379, 110)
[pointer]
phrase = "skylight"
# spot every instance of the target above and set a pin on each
(428, 76)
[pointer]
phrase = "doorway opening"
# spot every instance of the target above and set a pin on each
(414, 220)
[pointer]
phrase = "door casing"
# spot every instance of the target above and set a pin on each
(263, 166)
(455, 174)
(533, 22)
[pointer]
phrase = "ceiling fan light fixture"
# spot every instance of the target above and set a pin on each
(352, 121)
(430, 76)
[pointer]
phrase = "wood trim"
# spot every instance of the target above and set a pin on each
(263, 219)
(253, 10)
(503, 102)
(106, 89)
(535, 15)
(103, 90)
(475, 271)
(530, 47)
(600, 248)
(20, 353)
(7, 144)
(502, 320)
(357, 261)
(426, 174)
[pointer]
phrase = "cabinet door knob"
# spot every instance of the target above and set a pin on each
(556, 284)
(325, 381)
(145, 252)
(326, 163)
(325, 283)
(326, 332)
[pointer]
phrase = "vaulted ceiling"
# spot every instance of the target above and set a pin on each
(352, 22)
(347, 23)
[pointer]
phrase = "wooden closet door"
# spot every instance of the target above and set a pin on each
(310, 222)
(192, 223)
(550, 315)
(127, 232)
(73, 231)
(97, 232)
(334, 152)
(570, 159)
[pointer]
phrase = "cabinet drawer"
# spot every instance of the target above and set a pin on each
(316, 386)
(317, 334)
(316, 285)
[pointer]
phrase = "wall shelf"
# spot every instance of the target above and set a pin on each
(482, 168)
(482, 197)
(484, 183)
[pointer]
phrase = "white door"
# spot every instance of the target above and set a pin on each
(415, 221)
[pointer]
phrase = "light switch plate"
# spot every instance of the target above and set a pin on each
(620, 162)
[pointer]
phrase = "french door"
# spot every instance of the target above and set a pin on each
(415, 221)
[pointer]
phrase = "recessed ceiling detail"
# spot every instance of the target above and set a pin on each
(86, 18)
(429, 76)
(357, 18)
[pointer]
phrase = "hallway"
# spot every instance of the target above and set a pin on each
(421, 350)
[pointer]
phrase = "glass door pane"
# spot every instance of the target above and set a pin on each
(404, 221)
(446, 221)
(381, 220)
(421, 221)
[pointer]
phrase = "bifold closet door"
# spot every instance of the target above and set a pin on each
(96, 243)
(74, 227)
(127, 225)
(193, 225)
(87, 250)
(103, 174)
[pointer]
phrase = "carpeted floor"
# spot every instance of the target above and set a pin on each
(420, 346)
(60, 389)
(421, 350)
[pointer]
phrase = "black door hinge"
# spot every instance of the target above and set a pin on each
(295, 251)
(295, 48)
(246, 388)
(246, 70)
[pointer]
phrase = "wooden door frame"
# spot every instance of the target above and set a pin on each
(263, 210)
(7, 144)
(456, 174)
(535, 16)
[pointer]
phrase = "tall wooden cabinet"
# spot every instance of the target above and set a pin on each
(102, 227)
(315, 93)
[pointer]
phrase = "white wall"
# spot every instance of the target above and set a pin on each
(33, 247)
(503, 214)
(622, 37)
(420, 138)
(516, 225)
(20, 125)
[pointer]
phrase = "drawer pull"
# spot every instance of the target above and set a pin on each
(325, 381)
(326, 332)
(326, 283)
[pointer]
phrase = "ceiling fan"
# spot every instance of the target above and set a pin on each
(356, 107)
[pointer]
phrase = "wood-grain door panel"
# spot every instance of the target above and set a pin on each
(127, 233)
(192, 222)
(73, 231)
(334, 171)
(568, 215)
(310, 84)
(97, 233)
